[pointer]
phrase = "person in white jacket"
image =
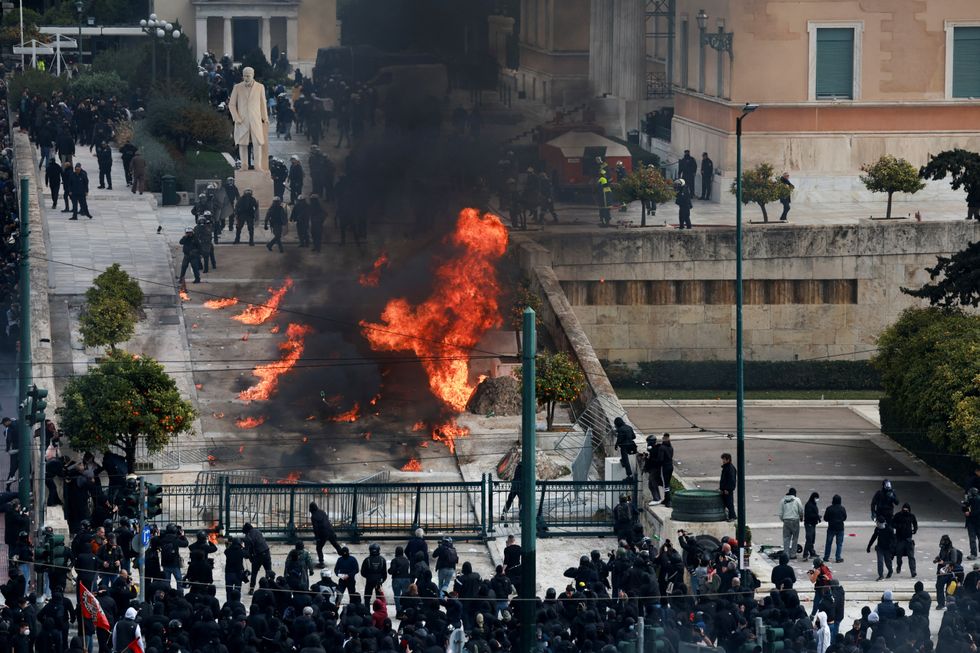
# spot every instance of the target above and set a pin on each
(821, 631)
(791, 512)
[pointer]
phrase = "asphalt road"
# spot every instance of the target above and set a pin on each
(830, 450)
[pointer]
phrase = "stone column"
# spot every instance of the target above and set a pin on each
(601, 46)
(227, 44)
(629, 61)
(292, 39)
(265, 38)
(201, 36)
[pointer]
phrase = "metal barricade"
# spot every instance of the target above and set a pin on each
(564, 508)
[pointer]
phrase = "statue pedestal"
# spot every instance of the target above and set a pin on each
(261, 184)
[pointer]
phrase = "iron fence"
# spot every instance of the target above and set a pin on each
(465, 510)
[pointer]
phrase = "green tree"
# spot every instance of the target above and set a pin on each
(645, 184)
(115, 282)
(960, 282)
(557, 379)
(891, 175)
(120, 401)
(930, 368)
(107, 322)
(761, 186)
(962, 166)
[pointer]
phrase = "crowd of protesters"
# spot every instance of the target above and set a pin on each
(419, 595)
(9, 229)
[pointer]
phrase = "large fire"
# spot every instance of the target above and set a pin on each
(224, 302)
(372, 278)
(249, 422)
(256, 314)
(213, 532)
(463, 305)
(269, 373)
(448, 432)
(291, 479)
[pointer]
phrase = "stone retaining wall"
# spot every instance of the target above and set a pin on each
(810, 291)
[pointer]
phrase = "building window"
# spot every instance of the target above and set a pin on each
(835, 61)
(964, 68)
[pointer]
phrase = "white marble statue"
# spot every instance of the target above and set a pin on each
(251, 115)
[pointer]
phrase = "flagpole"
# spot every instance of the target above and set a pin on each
(81, 614)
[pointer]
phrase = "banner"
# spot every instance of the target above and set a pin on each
(91, 609)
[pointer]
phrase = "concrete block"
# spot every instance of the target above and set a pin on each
(756, 317)
(828, 268)
(724, 314)
(758, 336)
(645, 336)
(688, 314)
(609, 336)
(607, 315)
(629, 356)
(679, 270)
(790, 337)
(633, 315)
(715, 335)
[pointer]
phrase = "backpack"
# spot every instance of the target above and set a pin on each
(293, 568)
(376, 565)
(958, 555)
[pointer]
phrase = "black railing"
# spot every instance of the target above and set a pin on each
(464, 510)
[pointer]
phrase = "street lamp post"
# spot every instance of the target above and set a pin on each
(156, 28)
(739, 360)
(80, 8)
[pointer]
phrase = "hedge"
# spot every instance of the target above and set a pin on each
(758, 375)
(957, 467)
(159, 161)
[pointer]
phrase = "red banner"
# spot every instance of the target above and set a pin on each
(91, 609)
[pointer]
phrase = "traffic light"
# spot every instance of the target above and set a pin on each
(130, 505)
(36, 403)
(154, 500)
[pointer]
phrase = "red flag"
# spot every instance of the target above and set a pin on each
(136, 646)
(91, 609)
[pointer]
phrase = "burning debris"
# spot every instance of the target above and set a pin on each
(213, 531)
(351, 415)
(372, 278)
(217, 304)
(184, 297)
(256, 314)
(292, 478)
(269, 373)
(274, 329)
(461, 308)
(412, 465)
(448, 432)
(249, 422)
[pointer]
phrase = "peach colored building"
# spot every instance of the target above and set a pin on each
(840, 82)
(297, 27)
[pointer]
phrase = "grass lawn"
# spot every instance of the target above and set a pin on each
(641, 393)
(201, 165)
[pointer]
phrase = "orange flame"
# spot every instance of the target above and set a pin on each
(412, 465)
(218, 415)
(372, 278)
(291, 479)
(184, 297)
(256, 314)
(213, 532)
(374, 399)
(448, 432)
(249, 422)
(419, 426)
(211, 459)
(310, 418)
(269, 373)
(351, 415)
(274, 329)
(450, 322)
(245, 337)
(224, 302)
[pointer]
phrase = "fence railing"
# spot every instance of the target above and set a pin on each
(464, 510)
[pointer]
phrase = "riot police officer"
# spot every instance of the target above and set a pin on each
(246, 210)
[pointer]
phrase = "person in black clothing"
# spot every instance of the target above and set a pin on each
(374, 569)
(323, 532)
(811, 517)
(624, 518)
(317, 213)
(884, 501)
(728, 484)
(103, 154)
(687, 168)
(295, 179)
(258, 553)
(67, 184)
(191, 249)
(512, 560)
(246, 211)
(783, 577)
(884, 535)
(666, 454)
(906, 526)
(625, 443)
(79, 193)
(234, 568)
(128, 151)
(786, 199)
(651, 467)
(707, 176)
(683, 202)
(515, 489)
(52, 179)
(275, 218)
(971, 513)
(301, 216)
(400, 570)
(835, 515)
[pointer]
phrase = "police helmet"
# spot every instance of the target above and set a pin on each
(174, 626)
(276, 199)
(230, 179)
(374, 549)
(206, 214)
(248, 191)
(201, 196)
(202, 535)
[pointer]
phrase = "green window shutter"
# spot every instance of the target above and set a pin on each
(966, 62)
(835, 62)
